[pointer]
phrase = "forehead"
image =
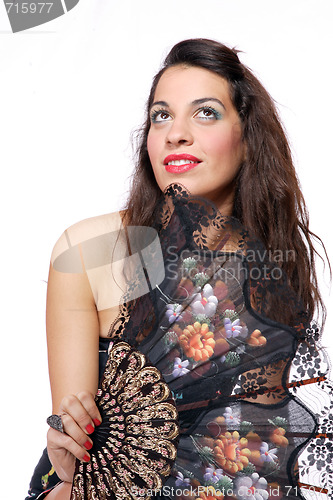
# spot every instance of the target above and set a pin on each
(189, 83)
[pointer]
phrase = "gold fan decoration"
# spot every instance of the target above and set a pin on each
(136, 444)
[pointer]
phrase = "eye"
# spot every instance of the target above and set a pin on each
(208, 113)
(160, 115)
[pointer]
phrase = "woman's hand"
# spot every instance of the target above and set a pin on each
(80, 416)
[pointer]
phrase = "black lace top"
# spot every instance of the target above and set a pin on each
(214, 385)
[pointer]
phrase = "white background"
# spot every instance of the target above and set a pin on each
(71, 93)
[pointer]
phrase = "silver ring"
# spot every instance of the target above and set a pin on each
(55, 422)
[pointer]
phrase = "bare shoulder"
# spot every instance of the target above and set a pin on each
(82, 243)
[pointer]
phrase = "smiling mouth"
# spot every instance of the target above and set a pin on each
(178, 165)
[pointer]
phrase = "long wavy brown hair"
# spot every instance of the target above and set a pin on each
(268, 199)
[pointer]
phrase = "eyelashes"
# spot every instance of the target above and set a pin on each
(205, 110)
(208, 113)
(156, 115)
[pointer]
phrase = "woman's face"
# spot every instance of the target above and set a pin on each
(195, 137)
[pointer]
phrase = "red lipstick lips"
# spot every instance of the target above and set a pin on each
(179, 163)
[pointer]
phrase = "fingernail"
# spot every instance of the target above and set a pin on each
(86, 458)
(97, 422)
(88, 445)
(90, 428)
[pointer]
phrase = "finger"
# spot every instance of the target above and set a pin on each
(72, 406)
(88, 402)
(58, 441)
(79, 435)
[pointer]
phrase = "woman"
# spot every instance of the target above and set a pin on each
(212, 133)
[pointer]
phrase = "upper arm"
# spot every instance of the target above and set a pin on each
(72, 335)
(72, 322)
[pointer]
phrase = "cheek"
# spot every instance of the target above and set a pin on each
(221, 146)
(153, 153)
(152, 147)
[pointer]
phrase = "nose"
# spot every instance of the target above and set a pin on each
(179, 132)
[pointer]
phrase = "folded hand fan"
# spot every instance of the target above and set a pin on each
(205, 394)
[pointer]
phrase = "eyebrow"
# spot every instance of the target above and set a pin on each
(194, 103)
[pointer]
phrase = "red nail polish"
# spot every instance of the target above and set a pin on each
(97, 422)
(90, 428)
(86, 458)
(88, 445)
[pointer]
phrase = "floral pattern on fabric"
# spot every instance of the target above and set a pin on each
(243, 427)
(233, 345)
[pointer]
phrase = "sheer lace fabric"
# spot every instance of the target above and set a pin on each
(229, 347)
